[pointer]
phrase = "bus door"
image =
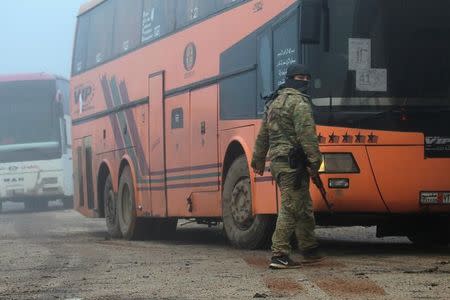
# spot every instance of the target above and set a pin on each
(83, 175)
(178, 153)
(157, 151)
(205, 186)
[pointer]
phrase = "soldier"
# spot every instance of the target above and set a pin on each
(289, 124)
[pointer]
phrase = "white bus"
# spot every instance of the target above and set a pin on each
(35, 140)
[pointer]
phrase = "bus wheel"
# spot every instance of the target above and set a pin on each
(111, 216)
(68, 203)
(243, 229)
(426, 239)
(1, 207)
(126, 209)
(42, 204)
(28, 205)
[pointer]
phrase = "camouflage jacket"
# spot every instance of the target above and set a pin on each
(288, 121)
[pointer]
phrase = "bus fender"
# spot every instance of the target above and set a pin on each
(126, 160)
(248, 154)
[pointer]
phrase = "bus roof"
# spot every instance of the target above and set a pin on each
(29, 77)
(89, 5)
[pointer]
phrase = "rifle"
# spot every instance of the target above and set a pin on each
(268, 99)
(297, 159)
(319, 184)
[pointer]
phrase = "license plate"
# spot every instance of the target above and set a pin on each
(427, 198)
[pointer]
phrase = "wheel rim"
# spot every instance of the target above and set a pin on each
(241, 204)
(126, 204)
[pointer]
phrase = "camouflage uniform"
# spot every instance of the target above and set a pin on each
(288, 122)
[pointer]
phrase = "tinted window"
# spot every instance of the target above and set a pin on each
(100, 34)
(372, 46)
(238, 97)
(158, 19)
(285, 47)
(227, 3)
(265, 84)
(127, 25)
(177, 118)
(189, 11)
(80, 51)
(28, 112)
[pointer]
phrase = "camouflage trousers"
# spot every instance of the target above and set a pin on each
(296, 214)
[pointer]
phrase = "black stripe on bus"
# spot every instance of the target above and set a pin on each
(264, 179)
(109, 104)
(170, 93)
(209, 81)
(110, 111)
(180, 186)
(193, 86)
(181, 177)
(143, 164)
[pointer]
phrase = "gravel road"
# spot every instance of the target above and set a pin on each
(59, 254)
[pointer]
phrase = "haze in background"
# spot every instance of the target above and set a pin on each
(37, 35)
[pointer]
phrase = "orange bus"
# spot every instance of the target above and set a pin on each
(166, 106)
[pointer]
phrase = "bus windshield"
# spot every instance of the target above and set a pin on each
(28, 113)
(383, 52)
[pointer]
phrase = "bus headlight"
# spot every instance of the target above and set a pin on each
(338, 163)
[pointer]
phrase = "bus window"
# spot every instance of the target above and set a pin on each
(189, 11)
(238, 97)
(265, 86)
(285, 50)
(100, 34)
(79, 60)
(127, 26)
(158, 19)
(227, 3)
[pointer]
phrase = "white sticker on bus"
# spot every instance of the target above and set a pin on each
(359, 54)
(372, 80)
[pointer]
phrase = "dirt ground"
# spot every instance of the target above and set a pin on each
(59, 254)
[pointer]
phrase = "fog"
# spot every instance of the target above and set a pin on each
(37, 36)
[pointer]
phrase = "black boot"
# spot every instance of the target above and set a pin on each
(313, 255)
(283, 262)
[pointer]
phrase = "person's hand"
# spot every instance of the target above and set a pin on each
(258, 167)
(313, 173)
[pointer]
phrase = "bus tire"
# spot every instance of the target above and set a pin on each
(28, 204)
(42, 205)
(130, 225)
(110, 205)
(429, 239)
(68, 203)
(242, 228)
(1, 207)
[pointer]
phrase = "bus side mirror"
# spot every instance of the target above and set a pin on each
(59, 104)
(311, 18)
(60, 109)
